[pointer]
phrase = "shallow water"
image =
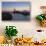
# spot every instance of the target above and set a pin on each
(20, 17)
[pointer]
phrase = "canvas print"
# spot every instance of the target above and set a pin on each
(16, 11)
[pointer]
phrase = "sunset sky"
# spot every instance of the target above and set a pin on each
(16, 5)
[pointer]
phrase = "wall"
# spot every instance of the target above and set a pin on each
(25, 28)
